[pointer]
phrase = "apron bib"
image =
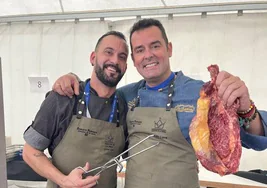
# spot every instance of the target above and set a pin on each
(89, 140)
(172, 163)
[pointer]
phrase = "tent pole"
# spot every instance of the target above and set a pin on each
(3, 172)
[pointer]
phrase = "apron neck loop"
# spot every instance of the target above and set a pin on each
(84, 104)
(169, 100)
(81, 106)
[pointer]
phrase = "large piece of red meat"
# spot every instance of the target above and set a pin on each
(215, 130)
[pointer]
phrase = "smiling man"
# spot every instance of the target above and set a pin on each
(148, 55)
(86, 128)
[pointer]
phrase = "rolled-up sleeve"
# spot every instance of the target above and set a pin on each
(254, 141)
(35, 139)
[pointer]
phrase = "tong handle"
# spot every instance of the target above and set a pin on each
(84, 175)
(93, 172)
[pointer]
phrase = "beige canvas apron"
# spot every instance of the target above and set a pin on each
(89, 140)
(172, 163)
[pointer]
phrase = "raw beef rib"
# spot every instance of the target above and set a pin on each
(215, 130)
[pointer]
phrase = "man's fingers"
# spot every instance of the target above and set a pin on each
(87, 166)
(221, 77)
(91, 185)
(232, 93)
(64, 85)
(57, 88)
(67, 89)
(91, 180)
(55, 85)
(76, 87)
(225, 84)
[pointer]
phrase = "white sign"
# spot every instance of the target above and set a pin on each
(39, 84)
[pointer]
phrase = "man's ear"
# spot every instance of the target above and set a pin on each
(92, 58)
(170, 49)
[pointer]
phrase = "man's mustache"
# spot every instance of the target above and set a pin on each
(116, 67)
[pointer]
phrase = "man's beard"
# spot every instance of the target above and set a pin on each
(112, 80)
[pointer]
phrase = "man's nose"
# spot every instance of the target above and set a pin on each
(148, 55)
(114, 59)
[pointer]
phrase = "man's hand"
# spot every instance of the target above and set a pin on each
(74, 179)
(231, 88)
(67, 85)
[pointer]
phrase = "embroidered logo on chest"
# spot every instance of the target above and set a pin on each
(159, 126)
(135, 122)
(132, 103)
(184, 108)
(86, 132)
(109, 143)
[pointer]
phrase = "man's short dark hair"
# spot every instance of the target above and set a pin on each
(146, 23)
(115, 33)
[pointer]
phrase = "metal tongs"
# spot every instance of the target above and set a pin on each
(116, 161)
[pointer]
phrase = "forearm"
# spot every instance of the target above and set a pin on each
(256, 126)
(39, 162)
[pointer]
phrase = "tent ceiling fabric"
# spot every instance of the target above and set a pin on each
(27, 7)
(18, 7)
(81, 5)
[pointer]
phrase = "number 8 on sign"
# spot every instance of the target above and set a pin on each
(39, 84)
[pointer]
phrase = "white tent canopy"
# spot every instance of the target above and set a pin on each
(29, 10)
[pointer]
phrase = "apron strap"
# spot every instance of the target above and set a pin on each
(81, 107)
(170, 94)
(118, 113)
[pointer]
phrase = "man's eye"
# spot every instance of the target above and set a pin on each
(123, 57)
(139, 50)
(108, 52)
(156, 46)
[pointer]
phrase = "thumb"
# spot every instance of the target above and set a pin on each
(87, 166)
